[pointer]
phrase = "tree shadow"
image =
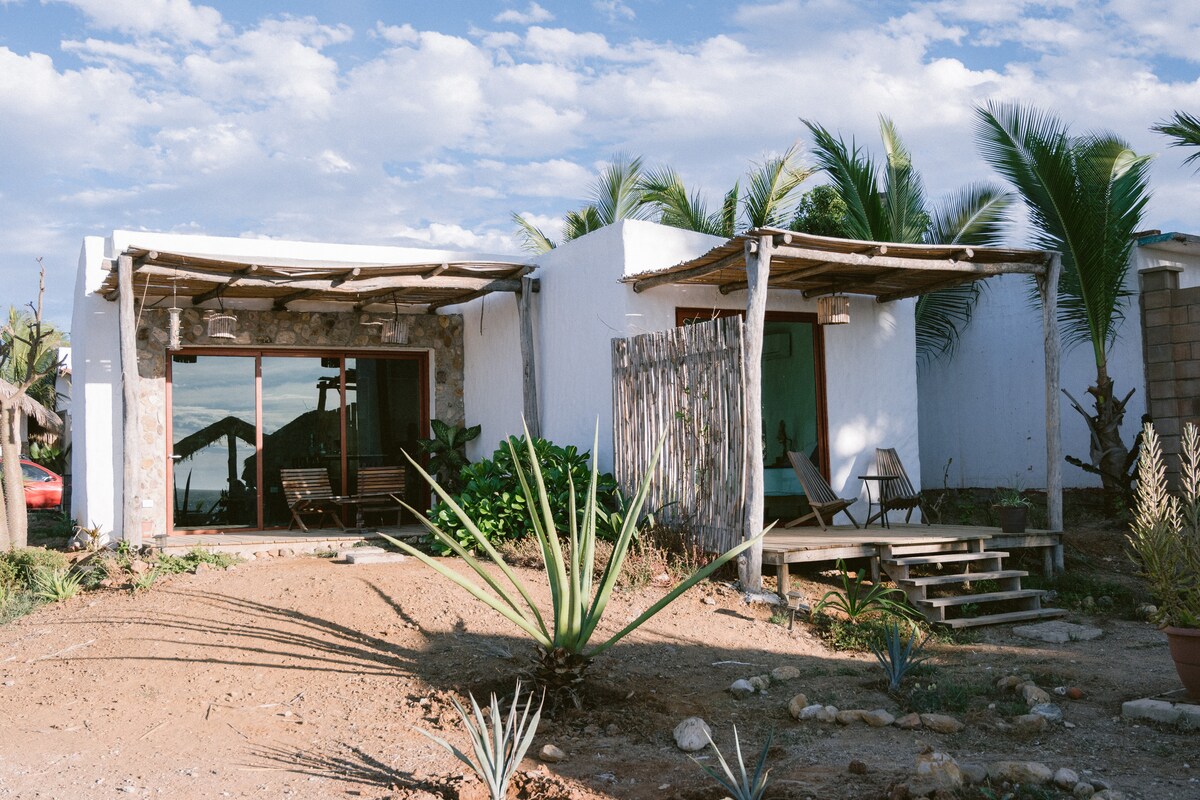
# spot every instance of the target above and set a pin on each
(354, 766)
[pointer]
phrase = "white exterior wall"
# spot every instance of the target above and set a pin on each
(985, 408)
(870, 380)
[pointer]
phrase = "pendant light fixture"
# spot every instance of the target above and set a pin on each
(221, 325)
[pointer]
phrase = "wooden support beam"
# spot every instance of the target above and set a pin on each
(936, 286)
(758, 273)
(529, 388)
(281, 302)
(848, 286)
(1048, 289)
(348, 275)
(894, 262)
(438, 270)
(502, 285)
(782, 278)
(131, 524)
(649, 282)
(215, 292)
(381, 284)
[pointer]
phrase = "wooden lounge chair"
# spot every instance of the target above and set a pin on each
(380, 491)
(898, 494)
(821, 499)
(307, 492)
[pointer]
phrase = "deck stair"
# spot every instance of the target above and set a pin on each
(929, 572)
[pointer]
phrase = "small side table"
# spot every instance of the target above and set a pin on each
(883, 481)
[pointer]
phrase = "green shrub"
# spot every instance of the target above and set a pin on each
(173, 565)
(17, 603)
(492, 496)
(18, 568)
(55, 585)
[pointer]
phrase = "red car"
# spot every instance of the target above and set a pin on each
(43, 489)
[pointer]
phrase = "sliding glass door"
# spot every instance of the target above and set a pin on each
(238, 419)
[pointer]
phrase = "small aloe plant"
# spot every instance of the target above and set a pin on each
(898, 657)
(55, 585)
(742, 786)
(857, 601)
(497, 744)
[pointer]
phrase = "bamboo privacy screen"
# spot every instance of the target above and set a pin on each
(686, 382)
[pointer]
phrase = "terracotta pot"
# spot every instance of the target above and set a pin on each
(1185, 650)
(1013, 518)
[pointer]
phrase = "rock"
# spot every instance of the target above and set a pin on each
(1108, 794)
(1057, 632)
(1020, 772)
(1051, 712)
(760, 682)
(935, 771)
(941, 723)
(973, 773)
(1099, 784)
(612, 729)
(785, 673)
(1065, 778)
(878, 718)
(741, 689)
(1105, 603)
(1146, 611)
(551, 754)
(811, 712)
(1075, 693)
(262, 555)
(1034, 695)
(857, 768)
(909, 722)
(139, 567)
(708, 601)
(1083, 790)
(203, 566)
(1029, 724)
(692, 734)
(796, 705)
(850, 716)
(1009, 682)
(828, 714)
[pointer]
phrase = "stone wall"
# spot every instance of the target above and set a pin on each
(440, 335)
(1171, 332)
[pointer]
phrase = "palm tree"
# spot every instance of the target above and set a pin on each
(768, 201)
(1184, 128)
(885, 202)
(615, 196)
(1085, 196)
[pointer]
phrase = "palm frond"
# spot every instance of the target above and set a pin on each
(582, 222)
(729, 211)
(975, 215)
(1184, 128)
(942, 317)
(616, 193)
(770, 199)
(903, 190)
(663, 190)
(533, 240)
(853, 175)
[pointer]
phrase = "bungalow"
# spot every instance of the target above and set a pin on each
(225, 360)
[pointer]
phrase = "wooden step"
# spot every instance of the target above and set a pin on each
(987, 597)
(963, 577)
(944, 558)
(926, 548)
(1001, 619)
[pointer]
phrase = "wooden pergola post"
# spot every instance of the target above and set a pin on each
(1048, 288)
(758, 271)
(131, 529)
(528, 357)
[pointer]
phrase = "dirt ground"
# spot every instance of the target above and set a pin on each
(306, 678)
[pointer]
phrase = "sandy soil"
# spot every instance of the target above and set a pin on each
(306, 678)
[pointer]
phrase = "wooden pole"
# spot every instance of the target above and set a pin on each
(528, 358)
(1048, 288)
(131, 529)
(758, 271)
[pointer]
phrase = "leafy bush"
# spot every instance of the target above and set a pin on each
(492, 496)
(447, 452)
(18, 568)
(173, 565)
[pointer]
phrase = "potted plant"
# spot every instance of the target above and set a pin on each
(1165, 540)
(1013, 508)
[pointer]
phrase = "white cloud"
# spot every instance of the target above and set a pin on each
(530, 16)
(614, 9)
(175, 19)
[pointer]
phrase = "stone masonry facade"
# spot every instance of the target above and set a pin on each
(1171, 336)
(440, 335)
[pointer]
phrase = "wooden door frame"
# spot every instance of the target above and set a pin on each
(684, 313)
(422, 357)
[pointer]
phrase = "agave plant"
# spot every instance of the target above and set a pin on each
(562, 635)
(898, 657)
(55, 585)
(497, 748)
(741, 786)
(856, 602)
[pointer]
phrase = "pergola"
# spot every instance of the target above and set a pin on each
(817, 266)
(152, 277)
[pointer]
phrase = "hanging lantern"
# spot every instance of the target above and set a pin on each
(221, 325)
(394, 330)
(833, 309)
(174, 340)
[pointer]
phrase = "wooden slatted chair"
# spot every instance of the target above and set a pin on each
(307, 492)
(380, 491)
(821, 498)
(899, 494)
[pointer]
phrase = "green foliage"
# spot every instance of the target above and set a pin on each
(1184, 129)
(496, 749)
(856, 601)
(898, 657)
(493, 499)
(447, 452)
(18, 568)
(173, 565)
(821, 211)
(55, 585)
(1074, 587)
(577, 604)
(140, 583)
(742, 786)
(1012, 498)
(1165, 535)
(15, 603)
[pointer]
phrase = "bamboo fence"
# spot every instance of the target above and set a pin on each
(685, 383)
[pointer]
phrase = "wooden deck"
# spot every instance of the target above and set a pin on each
(248, 543)
(783, 547)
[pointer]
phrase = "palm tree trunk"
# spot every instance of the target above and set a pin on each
(14, 485)
(1110, 458)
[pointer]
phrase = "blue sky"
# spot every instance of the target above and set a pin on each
(430, 123)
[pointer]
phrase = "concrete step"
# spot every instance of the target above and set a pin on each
(1001, 619)
(943, 558)
(987, 597)
(963, 577)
